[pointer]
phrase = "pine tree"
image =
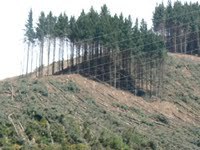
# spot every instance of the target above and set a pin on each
(159, 20)
(40, 34)
(61, 33)
(29, 38)
(73, 31)
(50, 20)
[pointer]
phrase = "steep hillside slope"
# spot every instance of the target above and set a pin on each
(74, 112)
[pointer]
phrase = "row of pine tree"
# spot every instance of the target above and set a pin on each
(179, 25)
(109, 48)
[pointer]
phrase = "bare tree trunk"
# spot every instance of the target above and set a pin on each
(72, 55)
(147, 72)
(101, 62)
(181, 41)
(27, 59)
(32, 58)
(115, 69)
(41, 59)
(185, 42)
(42, 56)
(151, 78)
(78, 57)
(198, 42)
(59, 55)
(49, 47)
(62, 52)
(110, 66)
(135, 75)
(37, 67)
(160, 70)
(54, 53)
(174, 41)
(162, 76)
(67, 52)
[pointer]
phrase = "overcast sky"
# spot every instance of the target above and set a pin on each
(13, 15)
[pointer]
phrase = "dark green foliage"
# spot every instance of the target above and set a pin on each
(111, 140)
(162, 119)
(30, 40)
(123, 107)
(24, 87)
(90, 100)
(40, 88)
(133, 139)
(41, 32)
(5, 86)
(71, 87)
(197, 143)
(29, 31)
(73, 130)
(6, 134)
(178, 24)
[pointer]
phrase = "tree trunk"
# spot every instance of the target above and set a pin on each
(185, 42)
(41, 58)
(115, 69)
(32, 58)
(174, 42)
(27, 61)
(72, 55)
(198, 42)
(54, 52)
(59, 55)
(110, 66)
(62, 51)
(49, 47)
(78, 57)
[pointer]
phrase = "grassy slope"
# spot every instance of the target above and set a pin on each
(77, 113)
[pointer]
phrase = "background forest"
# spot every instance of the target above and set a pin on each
(179, 25)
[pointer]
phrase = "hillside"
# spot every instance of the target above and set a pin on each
(74, 112)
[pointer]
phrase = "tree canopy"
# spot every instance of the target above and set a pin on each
(179, 25)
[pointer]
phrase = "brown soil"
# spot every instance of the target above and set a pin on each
(185, 56)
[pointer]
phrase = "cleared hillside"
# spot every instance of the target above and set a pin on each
(74, 112)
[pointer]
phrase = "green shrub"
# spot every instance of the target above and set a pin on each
(162, 118)
(79, 147)
(147, 123)
(135, 140)
(58, 134)
(72, 129)
(111, 140)
(123, 107)
(152, 145)
(116, 143)
(40, 89)
(96, 146)
(38, 131)
(71, 87)
(90, 100)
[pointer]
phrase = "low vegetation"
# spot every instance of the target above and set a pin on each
(72, 112)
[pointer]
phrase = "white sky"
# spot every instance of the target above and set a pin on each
(14, 13)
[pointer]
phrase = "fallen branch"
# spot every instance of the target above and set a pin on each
(11, 120)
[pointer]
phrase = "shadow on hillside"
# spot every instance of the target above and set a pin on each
(118, 77)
